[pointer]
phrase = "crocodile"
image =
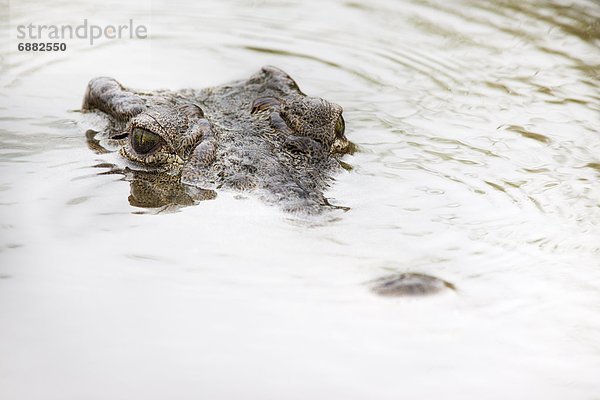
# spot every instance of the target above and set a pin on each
(260, 135)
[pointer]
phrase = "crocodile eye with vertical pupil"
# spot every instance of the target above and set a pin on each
(340, 126)
(143, 141)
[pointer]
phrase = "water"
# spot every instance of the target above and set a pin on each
(479, 163)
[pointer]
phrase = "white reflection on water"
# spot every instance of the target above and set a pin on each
(479, 163)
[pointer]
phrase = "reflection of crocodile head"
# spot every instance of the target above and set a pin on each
(261, 134)
(152, 190)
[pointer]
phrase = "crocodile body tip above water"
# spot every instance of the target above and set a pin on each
(261, 134)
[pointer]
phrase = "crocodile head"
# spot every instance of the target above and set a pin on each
(260, 134)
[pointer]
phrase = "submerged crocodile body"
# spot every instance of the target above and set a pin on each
(261, 135)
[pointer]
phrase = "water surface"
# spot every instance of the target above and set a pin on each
(479, 163)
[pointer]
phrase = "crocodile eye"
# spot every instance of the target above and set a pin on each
(143, 141)
(340, 127)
